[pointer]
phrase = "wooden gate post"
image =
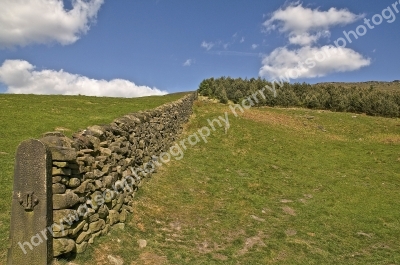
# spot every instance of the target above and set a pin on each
(31, 241)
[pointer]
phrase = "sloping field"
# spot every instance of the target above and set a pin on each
(29, 116)
(280, 186)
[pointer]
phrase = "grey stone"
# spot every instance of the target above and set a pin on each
(59, 216)
(98, 184)
(106, 169)
(62, 246)
(63, 153)
(60, 164)
(98, 174)
(104, 144)
(57, 227)
(62, 233)
(113, 217)
(75, 230)
(58, 188)
(105, 152)
(80, 248)
(108, 181)
(115, 260)
(103, 211)
(56, 133)
(74, 183)
(128, 208)
(95, 130)
(96, 199)
(84, 236)
(93, 218)
(97, 226)
(86, 151)
(142, 243)
(64, 180)
(123, 215)
(64, 201)
(94, 235)
(56, 179)
(119, 226)
(61, 171)
(106, 230)
(109, 195)
(89, 175)
(83, 187)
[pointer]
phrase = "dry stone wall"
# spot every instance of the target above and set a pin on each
(96, 173)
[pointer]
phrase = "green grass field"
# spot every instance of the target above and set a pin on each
(282, 186)
(29, 116)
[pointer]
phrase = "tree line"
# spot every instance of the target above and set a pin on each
(372, 101)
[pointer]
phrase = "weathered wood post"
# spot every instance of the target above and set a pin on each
(31, 241)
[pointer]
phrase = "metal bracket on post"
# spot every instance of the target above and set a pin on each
(28, 200)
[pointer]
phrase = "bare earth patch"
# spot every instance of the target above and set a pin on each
(208, 247)
(148, 258)
(101, 254)
(290, 232)
(257, 218)
(252, 242)
(385, 138)
(298, 123)
(289, 210)
(218, 256)
(273, 119)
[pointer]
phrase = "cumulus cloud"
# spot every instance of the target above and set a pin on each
(24, 22)
(310, 62)
(304, 26)
(254, 46)
(20, 77)
(188, 62)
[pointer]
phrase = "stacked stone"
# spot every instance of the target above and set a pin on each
(93, 179)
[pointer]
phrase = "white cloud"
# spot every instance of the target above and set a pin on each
(188, 62)
(207, 45)
(242, 40)
(21, 78)
(254, 46)
(310, 62)
(24, 22)
(305, 26)
(305, 39)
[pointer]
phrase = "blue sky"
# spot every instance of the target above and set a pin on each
(136, 48)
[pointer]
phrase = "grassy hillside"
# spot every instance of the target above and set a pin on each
(29, 116)
(283, 186)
